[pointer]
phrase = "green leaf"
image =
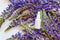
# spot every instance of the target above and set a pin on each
(1, 21)
(41, 13)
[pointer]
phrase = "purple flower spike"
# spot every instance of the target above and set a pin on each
(58, 35)
(19, 34)
(50, 22)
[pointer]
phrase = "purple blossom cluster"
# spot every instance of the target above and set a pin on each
(20, 11)
(34, 7)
